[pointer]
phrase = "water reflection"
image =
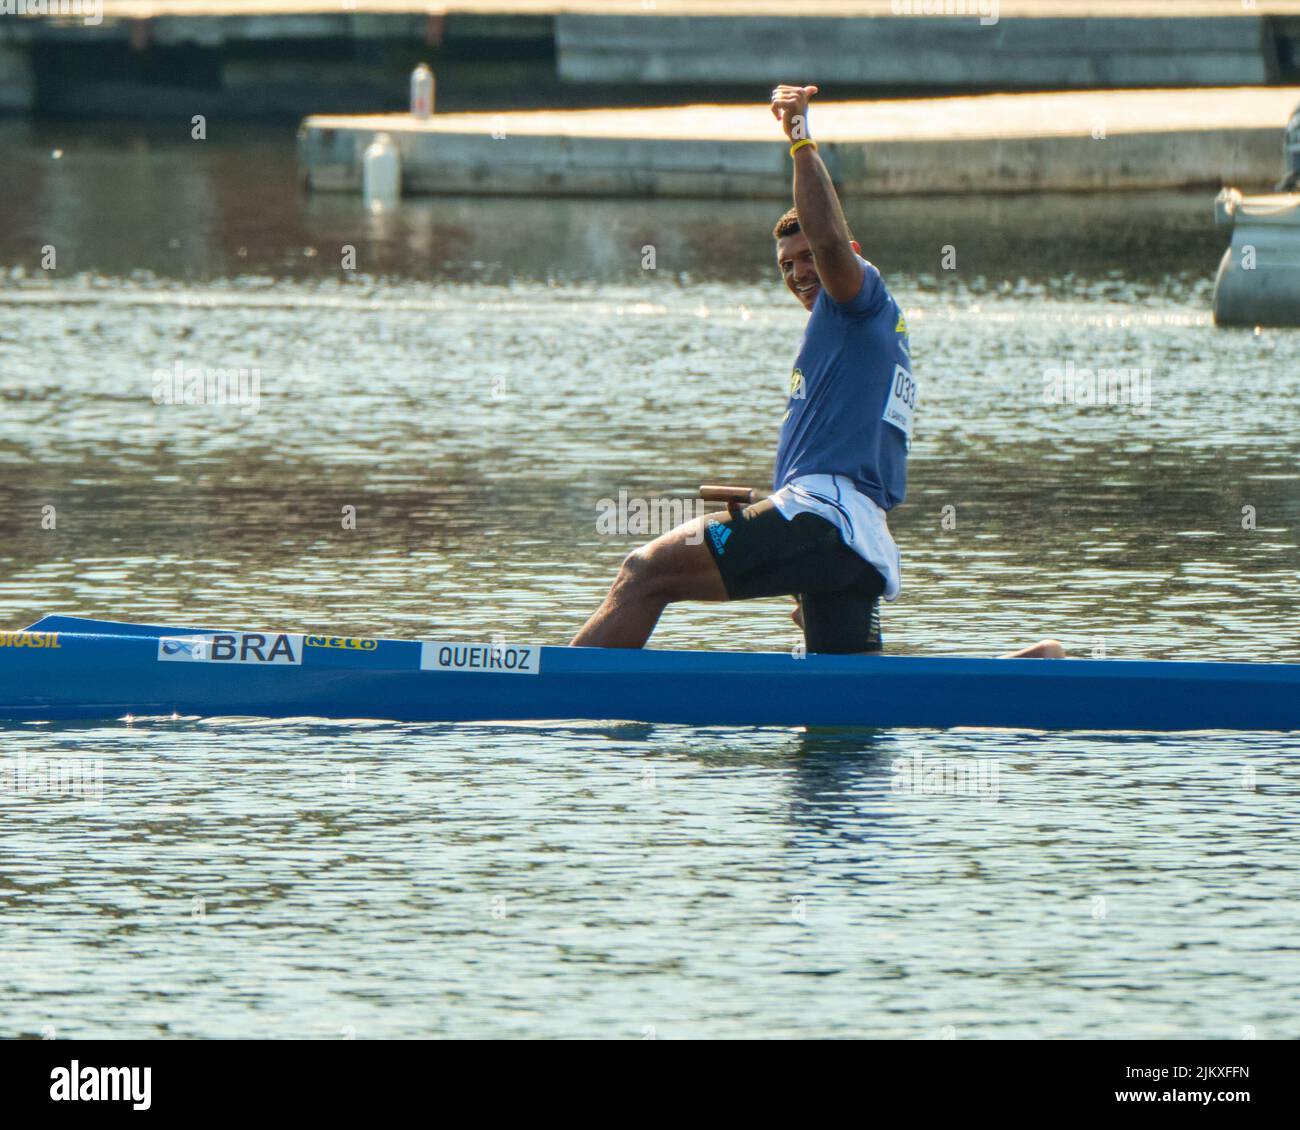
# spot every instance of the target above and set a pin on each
(492, 371)
(121, 200)
(474, 433)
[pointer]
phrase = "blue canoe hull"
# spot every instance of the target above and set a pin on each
(65, 668)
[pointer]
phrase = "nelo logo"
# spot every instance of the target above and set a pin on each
(342, 641)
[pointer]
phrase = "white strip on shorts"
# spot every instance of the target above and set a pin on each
(862, 523)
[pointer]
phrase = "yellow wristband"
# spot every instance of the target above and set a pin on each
(800, 144)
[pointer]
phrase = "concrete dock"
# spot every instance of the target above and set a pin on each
(1071, 142)
(283, 59)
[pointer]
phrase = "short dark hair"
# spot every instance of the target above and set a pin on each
(789, 225)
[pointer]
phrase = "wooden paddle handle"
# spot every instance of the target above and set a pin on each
(742, 496)
(736, 498)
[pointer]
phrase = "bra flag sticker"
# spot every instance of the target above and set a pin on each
(267, 648)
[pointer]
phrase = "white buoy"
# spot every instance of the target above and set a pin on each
(381, 173)
(422, 92)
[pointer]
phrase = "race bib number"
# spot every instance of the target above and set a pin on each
(900, 406)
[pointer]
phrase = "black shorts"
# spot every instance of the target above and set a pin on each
(761, 553)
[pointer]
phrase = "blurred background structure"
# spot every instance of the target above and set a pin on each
(287, 58)
(548, 319)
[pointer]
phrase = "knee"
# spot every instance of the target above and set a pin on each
(642, 573)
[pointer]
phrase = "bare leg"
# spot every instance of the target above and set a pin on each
(675, 566)
(1044, 649)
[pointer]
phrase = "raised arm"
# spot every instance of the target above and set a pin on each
(821, 218)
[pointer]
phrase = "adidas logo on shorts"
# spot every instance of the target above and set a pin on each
(718, 534)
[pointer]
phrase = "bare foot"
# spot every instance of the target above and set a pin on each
(1044, 649)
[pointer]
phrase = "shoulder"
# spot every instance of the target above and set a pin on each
(871, 296)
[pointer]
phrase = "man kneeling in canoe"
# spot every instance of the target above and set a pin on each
(841, 462)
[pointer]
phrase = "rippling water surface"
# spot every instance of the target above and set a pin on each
(488, 374)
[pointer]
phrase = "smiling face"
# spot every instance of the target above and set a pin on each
(795, 259)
